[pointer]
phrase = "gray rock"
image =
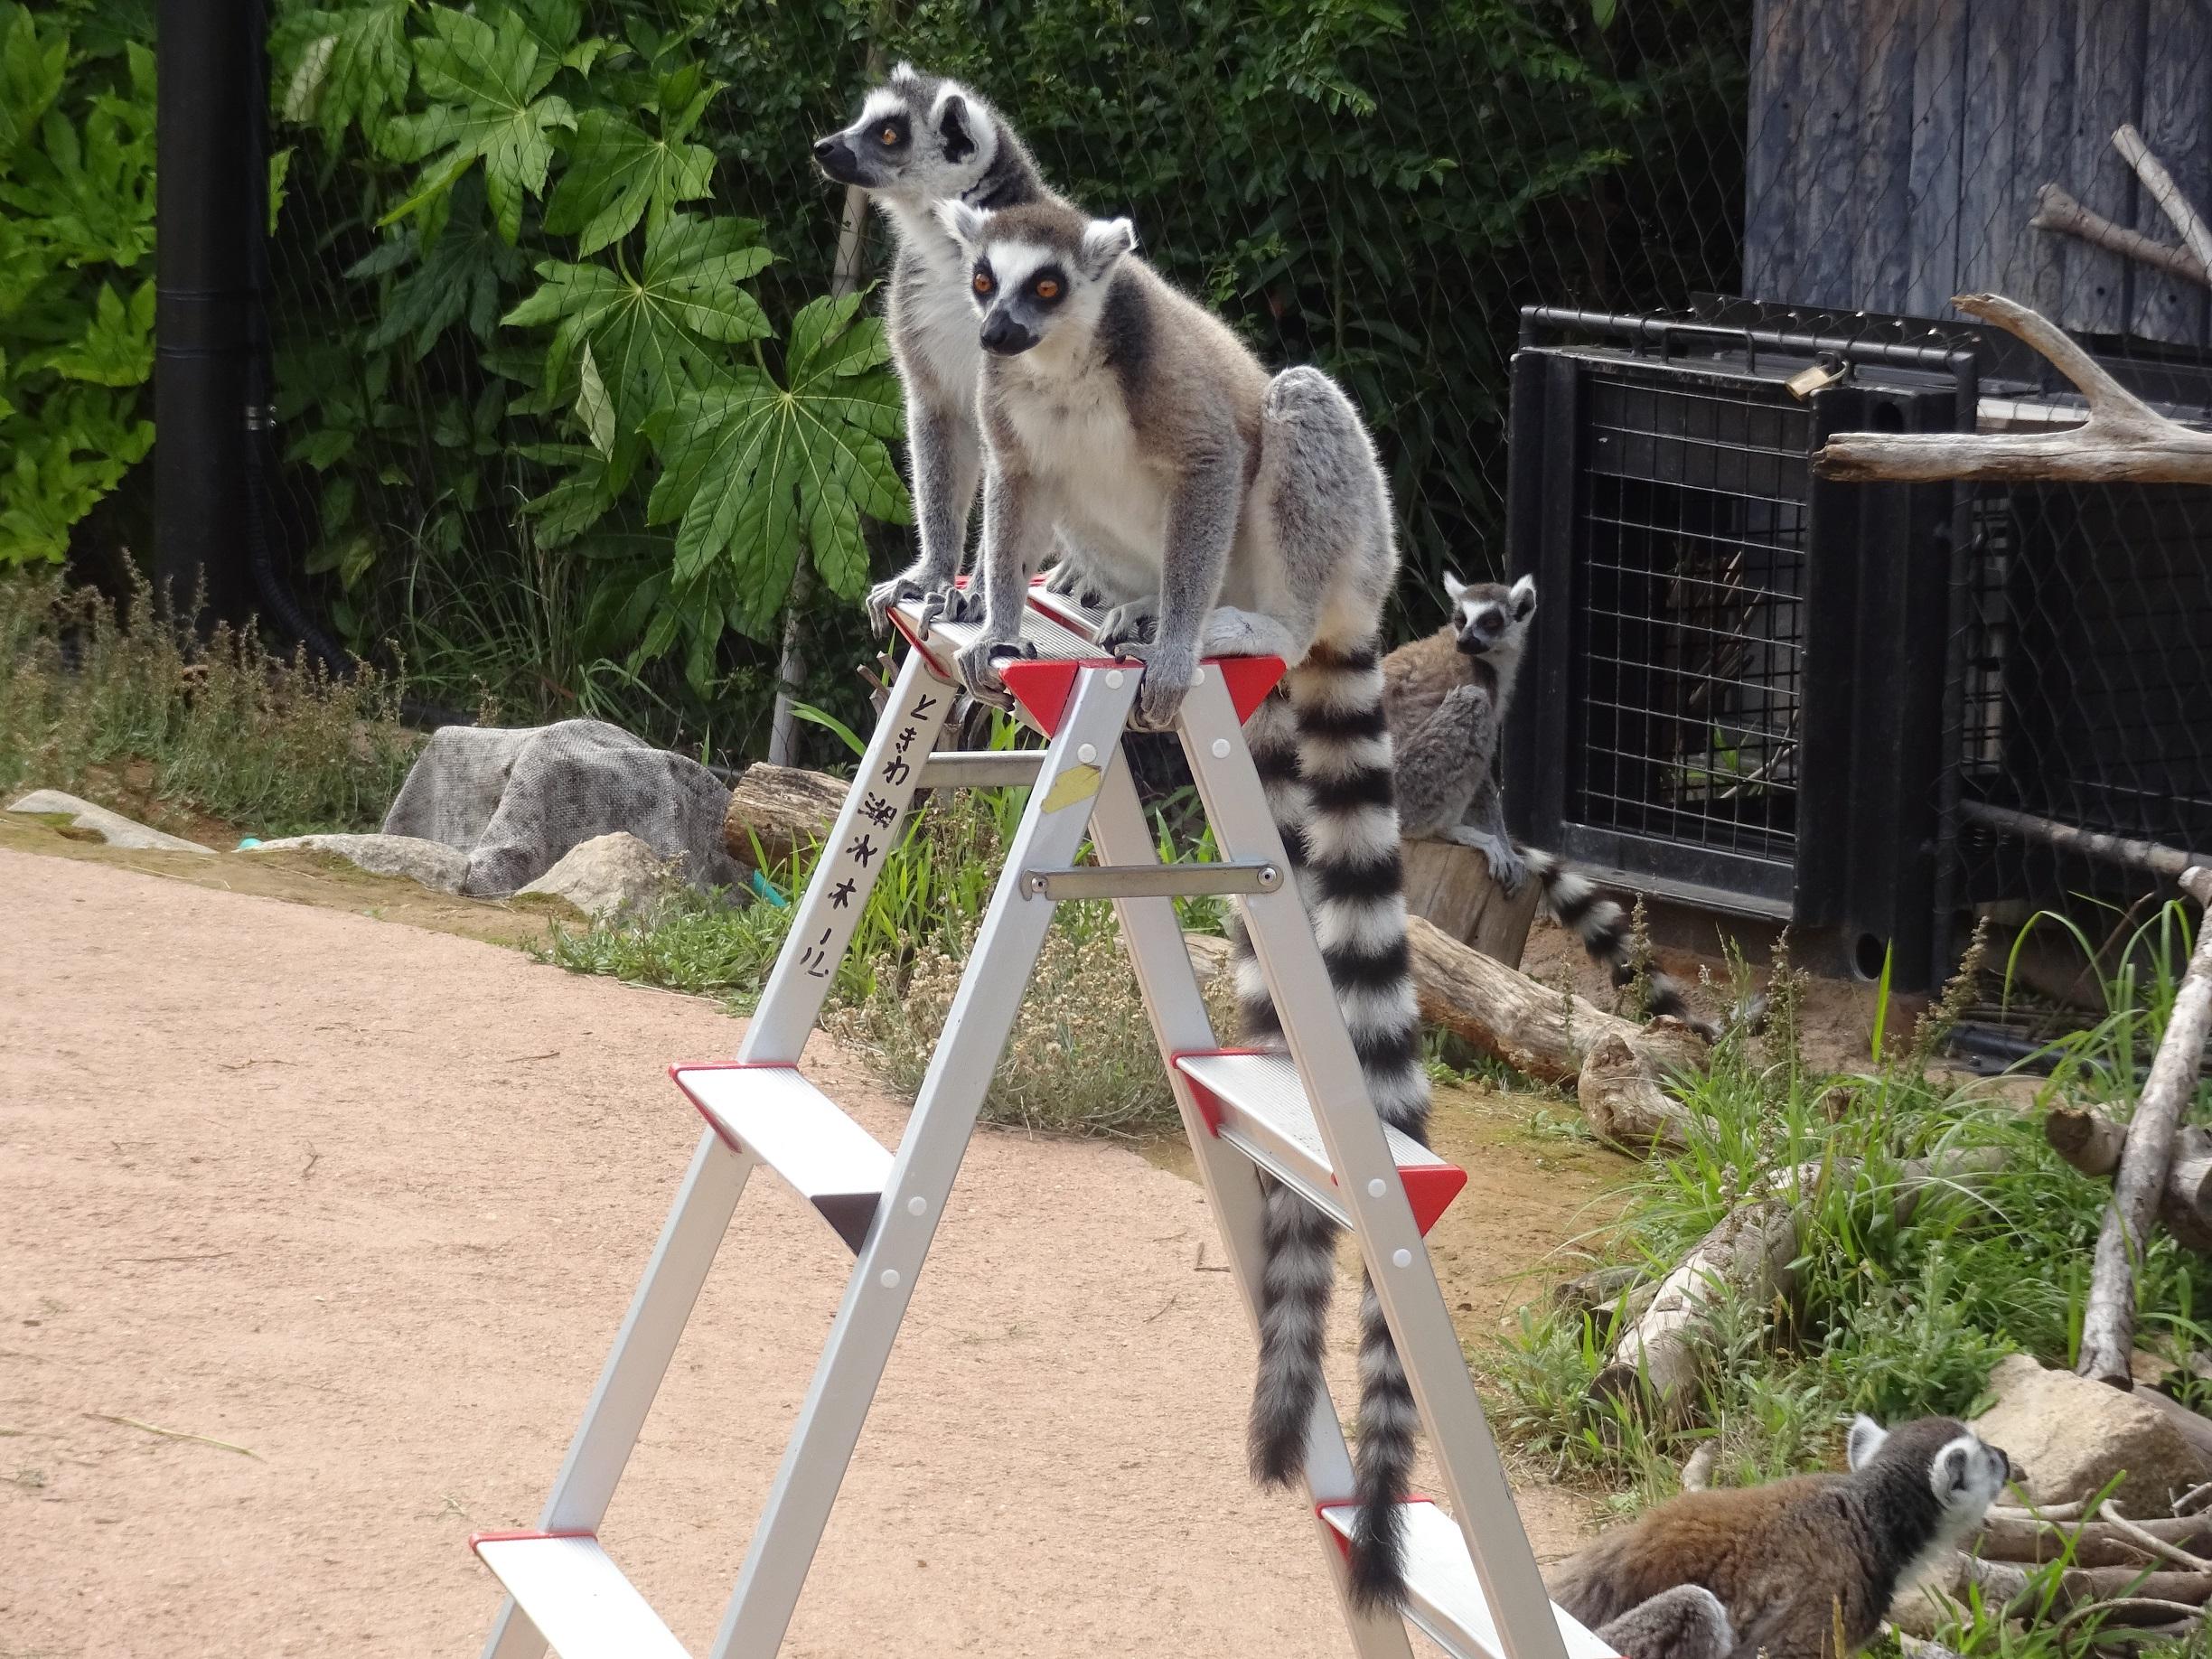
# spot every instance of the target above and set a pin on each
(516, 800)
(2068, 1435)
(113, 827)
(434, 865)
(608, 876)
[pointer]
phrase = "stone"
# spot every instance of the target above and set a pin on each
(112, 828)
(2068, 1435)
(434, 865)
(517, 800)
(607, 876)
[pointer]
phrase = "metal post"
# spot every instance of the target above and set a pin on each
(209, 215)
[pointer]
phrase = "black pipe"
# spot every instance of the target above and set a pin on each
(208, 107)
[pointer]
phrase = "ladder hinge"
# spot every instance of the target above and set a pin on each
(1121, 881)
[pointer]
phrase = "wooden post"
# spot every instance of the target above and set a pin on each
(2108, 1326)
(1449, 886)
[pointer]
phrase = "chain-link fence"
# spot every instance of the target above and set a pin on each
(573, 414)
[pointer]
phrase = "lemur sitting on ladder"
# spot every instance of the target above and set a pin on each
(1116, 405)
(920, 141)
(1447, 695)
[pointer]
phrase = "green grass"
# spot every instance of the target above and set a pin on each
(1895, 1320)
(275, 745)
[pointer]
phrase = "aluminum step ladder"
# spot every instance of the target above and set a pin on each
(1302, 1116)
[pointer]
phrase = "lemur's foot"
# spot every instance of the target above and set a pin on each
(1169, 676)
(1129, 624)
(976, 665)
(949, 604)
(1508, 868)
(887, 596)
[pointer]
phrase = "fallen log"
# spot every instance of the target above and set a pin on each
(2108, 1323)
(2093, 1543)
(2123, 441)
(1747, 1254)
(2092, 1143)
(787, 809)
(1537, 1030)
(2019, 1588)
(1622, 1101)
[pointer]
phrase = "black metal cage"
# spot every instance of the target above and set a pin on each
(1739, 676)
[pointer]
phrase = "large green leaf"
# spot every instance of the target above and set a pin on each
(492, 80)
(30, 70)
(459, 277)
(648, 332)
(117, 347)
(755, 471)
(616, 173)
(357, 74)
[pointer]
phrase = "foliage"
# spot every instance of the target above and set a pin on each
(277, 747)
(523, 367)
(1897, 1321)
(76, 287)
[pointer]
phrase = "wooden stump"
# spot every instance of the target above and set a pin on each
(1448, 887)
(787, 808)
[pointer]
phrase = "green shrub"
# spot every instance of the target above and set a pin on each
(76, 282)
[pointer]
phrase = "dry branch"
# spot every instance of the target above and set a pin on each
(1529, 1026)
(2058, 214)
(2092, 1143)
(2195, 235)
(2123, 441)
(2095, 1543)
(2108, 1324)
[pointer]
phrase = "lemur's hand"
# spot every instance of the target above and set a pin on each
(1169, 673)
(887, 596)
(978, 667)
(949, 604)
(1133, 623)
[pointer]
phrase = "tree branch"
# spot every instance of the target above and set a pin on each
(2125, 439)
(2195, 235)
(2058, 214)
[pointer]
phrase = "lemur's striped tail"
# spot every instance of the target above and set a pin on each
(1323, 751)
(1603, 928)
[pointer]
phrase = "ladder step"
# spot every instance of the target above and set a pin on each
(1254, 1101)
(771, 1113)
(1443, 1596)
(577, 1597)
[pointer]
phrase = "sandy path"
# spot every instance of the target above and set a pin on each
(370, 1200)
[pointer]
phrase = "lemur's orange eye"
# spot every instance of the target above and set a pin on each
(983, 283)
(890, 135)
(1047, 288)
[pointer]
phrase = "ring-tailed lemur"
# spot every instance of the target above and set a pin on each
(1445, 740)
(1115, 405)
(1796, 1560)
(919, 141)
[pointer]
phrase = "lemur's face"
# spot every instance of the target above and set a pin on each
(918, 136)
(1036, 272)
(1965, 1472)
(1488, 614)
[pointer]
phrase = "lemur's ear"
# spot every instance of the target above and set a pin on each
(1105, 241)
(952, 130)
(1454, 588)
(904, 70)
(1521, 600)
(963, 222)
(1866, 1439)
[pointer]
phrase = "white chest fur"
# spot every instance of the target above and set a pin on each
(938, 325)
(1075, 433)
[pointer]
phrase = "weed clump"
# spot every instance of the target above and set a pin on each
(281, 745)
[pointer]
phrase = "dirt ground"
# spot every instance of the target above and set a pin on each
(361, 1204)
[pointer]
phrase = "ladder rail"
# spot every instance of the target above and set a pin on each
(712, 1186)
(1153, 938)
(1085, 751)
(1290, 961)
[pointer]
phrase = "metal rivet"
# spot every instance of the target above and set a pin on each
(890, 1275)
(1376, 1188)
(1113, 680)
(1199, 677)
(1221, 748)
(1087, 753)
(917, 1206)
(1404, 1257)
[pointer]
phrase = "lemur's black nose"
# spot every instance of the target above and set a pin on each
(823, 146)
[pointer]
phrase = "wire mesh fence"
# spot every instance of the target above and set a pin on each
(574, 408)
